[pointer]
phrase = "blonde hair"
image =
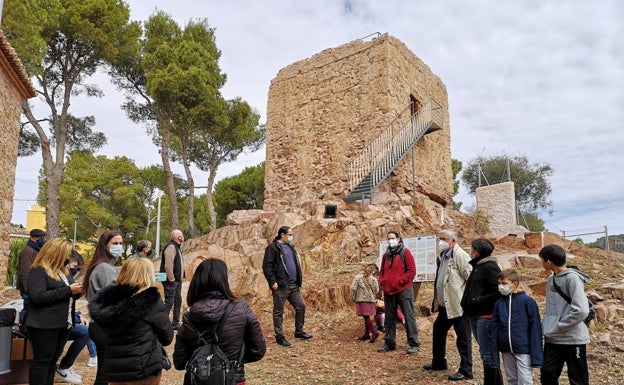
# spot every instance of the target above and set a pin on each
(137, 272)
(53, 257)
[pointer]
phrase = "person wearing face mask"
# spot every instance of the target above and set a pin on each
(144, 249)
(519, 330)
(25, 260)
(453, 270)
(396, 272)
(171, 264)
(282, 269)
(101, 273)
(478, 301)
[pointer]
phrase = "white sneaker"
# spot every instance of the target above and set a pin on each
(67, 375)
(92, 362)
(72, 371)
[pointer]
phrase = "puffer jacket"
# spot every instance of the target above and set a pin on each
(241, 326)
(481, 291)
(134, 326)
(519, 327)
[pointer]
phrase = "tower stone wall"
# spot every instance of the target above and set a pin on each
(324, 109)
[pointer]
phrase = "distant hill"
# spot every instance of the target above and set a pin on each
(616, 242)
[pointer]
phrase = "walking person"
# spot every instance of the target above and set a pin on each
(101, 273)
(363, 291)
(132, 317)
(478, 301)
(519, 330)
(171, 264)
(209, 297)
(565, 334)
(453, 270)
(52, 293)
(396, 272)
(282, 270)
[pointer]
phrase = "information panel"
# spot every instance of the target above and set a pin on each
(424, 251)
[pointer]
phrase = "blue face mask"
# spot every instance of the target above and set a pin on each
(40, 242)
(116, 250)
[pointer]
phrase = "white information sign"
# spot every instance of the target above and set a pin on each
(424, 251)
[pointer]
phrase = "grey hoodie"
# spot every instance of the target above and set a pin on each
(563, 323)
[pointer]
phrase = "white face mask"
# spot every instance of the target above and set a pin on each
(443, 245)
(116, 250)
(504, 289)
(290, 239)
(393, 242)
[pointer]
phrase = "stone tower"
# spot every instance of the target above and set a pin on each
(323, 110)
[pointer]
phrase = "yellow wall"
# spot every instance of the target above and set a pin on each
(35, 217)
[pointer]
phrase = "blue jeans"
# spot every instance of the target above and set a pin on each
(485, 331)
(79, 334)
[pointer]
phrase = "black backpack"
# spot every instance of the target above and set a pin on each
(208, 364)
(592, 312)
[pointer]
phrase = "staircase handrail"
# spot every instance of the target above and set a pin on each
(381, 154)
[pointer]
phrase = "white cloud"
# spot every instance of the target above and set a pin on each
(541, 78)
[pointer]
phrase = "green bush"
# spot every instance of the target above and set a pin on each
(15, 247)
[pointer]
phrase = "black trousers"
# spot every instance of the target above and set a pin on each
(173, 298)
(441, 326)
(47, 346)
(556, 355)
(97, 336)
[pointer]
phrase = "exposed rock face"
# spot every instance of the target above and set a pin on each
(330, 249)
(324, 109)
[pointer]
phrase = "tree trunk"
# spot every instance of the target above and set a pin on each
(211, 209)
(171, 191)
(53, 172)
(191, 189)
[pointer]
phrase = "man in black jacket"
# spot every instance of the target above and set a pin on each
(171, 264)
(282, 270)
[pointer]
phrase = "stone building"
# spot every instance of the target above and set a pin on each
(15, 88)
(324, 109)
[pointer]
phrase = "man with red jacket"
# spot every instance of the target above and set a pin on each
(396, 272)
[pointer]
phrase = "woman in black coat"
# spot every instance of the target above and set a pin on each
(480, 295)
(132, 317)
(208, 296)
(52, 292)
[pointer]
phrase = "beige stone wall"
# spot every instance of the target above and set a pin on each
(324, 109)
(498, 201)
(10, 110)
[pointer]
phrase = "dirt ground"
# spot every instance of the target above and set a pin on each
(335, 356)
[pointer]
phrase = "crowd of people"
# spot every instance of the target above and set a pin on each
(130, 323)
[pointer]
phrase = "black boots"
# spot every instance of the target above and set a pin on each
(492, 376)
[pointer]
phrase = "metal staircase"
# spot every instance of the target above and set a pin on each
(370, 167)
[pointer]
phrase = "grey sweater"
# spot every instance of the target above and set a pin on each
(102, 275)
(563, 323)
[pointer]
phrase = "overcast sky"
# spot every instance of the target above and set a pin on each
(538, 78)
